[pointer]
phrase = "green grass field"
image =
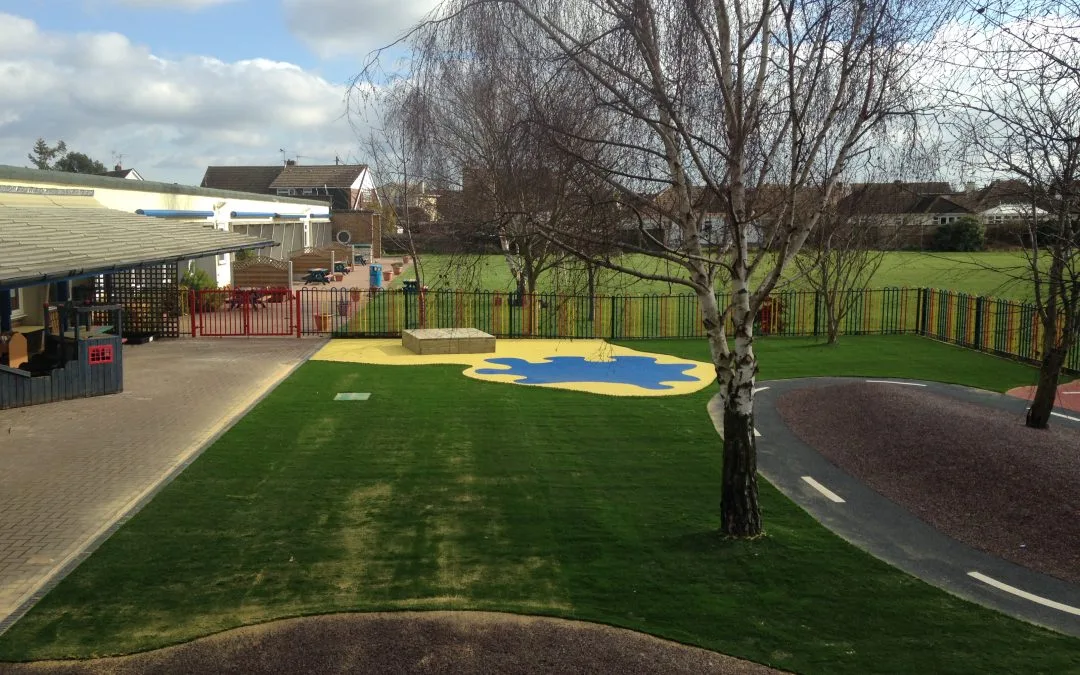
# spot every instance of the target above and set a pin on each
(443, 492)
(990, 274)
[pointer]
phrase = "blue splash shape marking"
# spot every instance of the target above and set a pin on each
(639, 371)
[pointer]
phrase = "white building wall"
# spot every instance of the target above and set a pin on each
(289, 234)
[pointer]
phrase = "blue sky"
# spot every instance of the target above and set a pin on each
(175, 85)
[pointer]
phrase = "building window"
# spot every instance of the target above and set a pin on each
(16, 303)
(309, 191)
(284, 192)
(100, 355)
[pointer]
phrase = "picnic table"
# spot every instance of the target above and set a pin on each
(317, 275)
(240, 298)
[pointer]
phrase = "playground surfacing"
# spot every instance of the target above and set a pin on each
(592, 366)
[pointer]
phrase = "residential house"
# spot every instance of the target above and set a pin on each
(766, 203)
(349, 189)
(904, 214)
(413, 200)
(255, 179)
(346, 187)
(1005, 208)
(120, 172)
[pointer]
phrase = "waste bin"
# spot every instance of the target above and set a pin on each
(376, 275)
(411, 286)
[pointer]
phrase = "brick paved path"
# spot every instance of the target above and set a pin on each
(70, 470)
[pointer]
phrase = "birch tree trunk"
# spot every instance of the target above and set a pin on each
(1038, 415)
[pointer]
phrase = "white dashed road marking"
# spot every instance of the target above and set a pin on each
(1024, 594)
(1066, 417)
(829, 494)
(906, 384)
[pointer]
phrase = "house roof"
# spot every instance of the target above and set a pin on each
(85, 180)
(255, 179)
(122, 173)
(901, 198)
(997, 193)
(310, 176)
(764, 200)
(42, 239)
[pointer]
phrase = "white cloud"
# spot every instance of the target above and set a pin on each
(100, 93)
(352, 27)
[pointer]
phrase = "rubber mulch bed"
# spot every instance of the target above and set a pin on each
(414, 642)
(975, 473)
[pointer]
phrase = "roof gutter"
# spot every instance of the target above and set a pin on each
(266, 214)
(174, 213)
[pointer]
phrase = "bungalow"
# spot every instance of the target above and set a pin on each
(904, 214)
(59, 244)
(1005, 208)
(765, 204)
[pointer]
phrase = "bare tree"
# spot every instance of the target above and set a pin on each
(838, 261)
(846, 249)
(511, 186)
(753, 103)
(1018, 113)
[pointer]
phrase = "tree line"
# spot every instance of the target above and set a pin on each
(59, 158)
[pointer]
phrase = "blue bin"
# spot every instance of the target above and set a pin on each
(376, 275)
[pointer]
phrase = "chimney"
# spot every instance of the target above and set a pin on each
(969, 187)
(118, 167)
(290, 162)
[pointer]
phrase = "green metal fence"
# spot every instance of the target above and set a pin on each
(1002, 327)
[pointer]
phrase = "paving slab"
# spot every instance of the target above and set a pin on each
(71, 471)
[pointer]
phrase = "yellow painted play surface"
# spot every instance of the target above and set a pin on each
(390, 352)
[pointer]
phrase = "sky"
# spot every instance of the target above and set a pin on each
(169, 87)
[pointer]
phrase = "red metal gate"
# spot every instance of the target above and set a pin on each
(243, 313)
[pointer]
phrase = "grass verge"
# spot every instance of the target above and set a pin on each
(442, 492)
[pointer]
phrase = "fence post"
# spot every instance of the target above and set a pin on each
(611, 336)
(979, 307)
(817, 313)
(299, 316)
(191, 309)
(921, 310)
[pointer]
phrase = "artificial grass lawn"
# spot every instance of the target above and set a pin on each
(445, 492)
(987, 273)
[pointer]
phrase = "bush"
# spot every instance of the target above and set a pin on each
(963, 234)
(198, 280)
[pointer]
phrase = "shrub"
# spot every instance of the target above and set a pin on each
(963, 234)
(198, 280)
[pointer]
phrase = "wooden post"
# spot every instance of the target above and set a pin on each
(5, 310)
(299, 317)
